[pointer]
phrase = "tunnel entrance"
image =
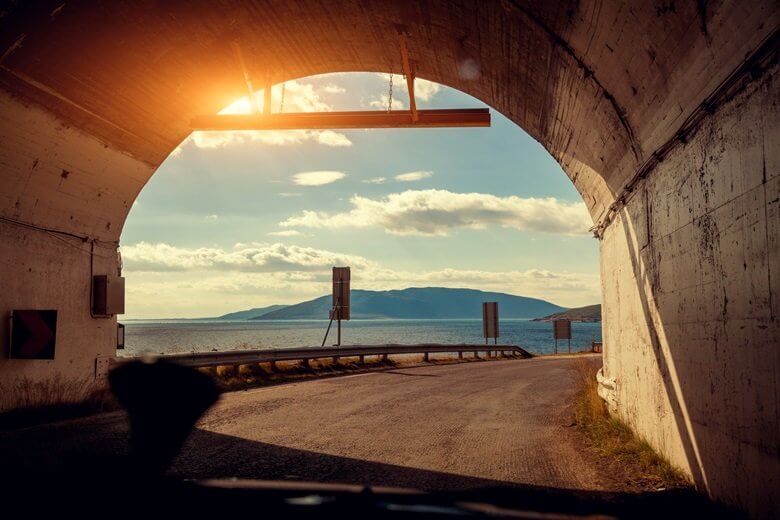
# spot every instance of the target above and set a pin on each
(255, 220)
(664, 119)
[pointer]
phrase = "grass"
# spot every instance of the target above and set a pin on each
(628, 457)
(54, 399)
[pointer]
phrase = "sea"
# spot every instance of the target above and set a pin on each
(152, 337)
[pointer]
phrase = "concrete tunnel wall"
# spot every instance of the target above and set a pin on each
(688, 245)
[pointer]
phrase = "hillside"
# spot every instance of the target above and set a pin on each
(589, 313)
(419, 303)
(251, 313)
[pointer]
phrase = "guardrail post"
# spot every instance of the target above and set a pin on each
(476, 355)
(362, 359)
(273, 366)
(460, 354)
(305, 363)
(335, 359)
(425, 357)
(384, 358)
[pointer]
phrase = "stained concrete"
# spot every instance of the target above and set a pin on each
(687, 219)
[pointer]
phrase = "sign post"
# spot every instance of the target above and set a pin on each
(340, 309)
(490, 321)
(562, 330)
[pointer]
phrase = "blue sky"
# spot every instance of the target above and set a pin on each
(238, 220)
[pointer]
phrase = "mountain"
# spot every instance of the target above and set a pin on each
(419, 302)
(251, 313)
(590, 313)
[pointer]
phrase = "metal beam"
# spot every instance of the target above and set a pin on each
(245, 357)
(409, 76)
(446, 118)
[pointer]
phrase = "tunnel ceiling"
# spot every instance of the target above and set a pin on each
(600, 84)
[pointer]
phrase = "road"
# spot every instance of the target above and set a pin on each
(442, 427)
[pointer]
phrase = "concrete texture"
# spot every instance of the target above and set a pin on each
(677, 165)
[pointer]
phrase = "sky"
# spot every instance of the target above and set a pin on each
(235, 220)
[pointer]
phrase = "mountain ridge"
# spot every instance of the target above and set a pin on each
(420, 303)
(586, 314)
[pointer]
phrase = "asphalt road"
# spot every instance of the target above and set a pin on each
(444, 427)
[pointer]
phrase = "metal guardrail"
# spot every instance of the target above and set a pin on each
(248, 357)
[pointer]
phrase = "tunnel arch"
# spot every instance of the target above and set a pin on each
(664, 115)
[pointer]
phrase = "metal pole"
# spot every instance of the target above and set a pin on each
(335, 307)
(569, 345)
(338, 343)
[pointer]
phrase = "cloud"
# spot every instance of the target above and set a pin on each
(215, 290)
(333, 89)
(424, 90)
(413, 176)
(211, 217)
(298, 97)
(375, 180)
(331, 138)
(255, 257)
(317, 178)
(381, 103)
(290, 194)
(437, 212)
(286, 233)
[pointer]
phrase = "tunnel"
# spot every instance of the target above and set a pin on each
(663, 114)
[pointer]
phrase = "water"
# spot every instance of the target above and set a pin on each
(170, 336)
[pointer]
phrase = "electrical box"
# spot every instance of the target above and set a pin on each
(108, 295)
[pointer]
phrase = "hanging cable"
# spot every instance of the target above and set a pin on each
(390, 93)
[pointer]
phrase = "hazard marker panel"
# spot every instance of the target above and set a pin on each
(33, 334)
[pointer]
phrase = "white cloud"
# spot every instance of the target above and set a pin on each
(317, 178)
(331, 138)
(375, 180)
(255, 257)
(437, 212)
(211, 217)
(165, 277)
(298, 97)
(286, 233)
(424, 90)
(381, 103)
(334, 89)
(413, 176)
(290, 194)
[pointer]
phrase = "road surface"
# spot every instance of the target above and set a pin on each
(438, 427)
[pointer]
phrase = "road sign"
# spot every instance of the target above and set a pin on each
(562, 330)
(341, 277)
(490, 320)
(33, 334)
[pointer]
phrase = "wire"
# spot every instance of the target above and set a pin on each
(58, 234)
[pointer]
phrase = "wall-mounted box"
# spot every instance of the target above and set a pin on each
(108, 295)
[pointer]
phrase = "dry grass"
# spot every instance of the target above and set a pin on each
(628, 457)
(54, 399)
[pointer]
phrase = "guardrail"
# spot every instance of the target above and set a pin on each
(304, 354)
